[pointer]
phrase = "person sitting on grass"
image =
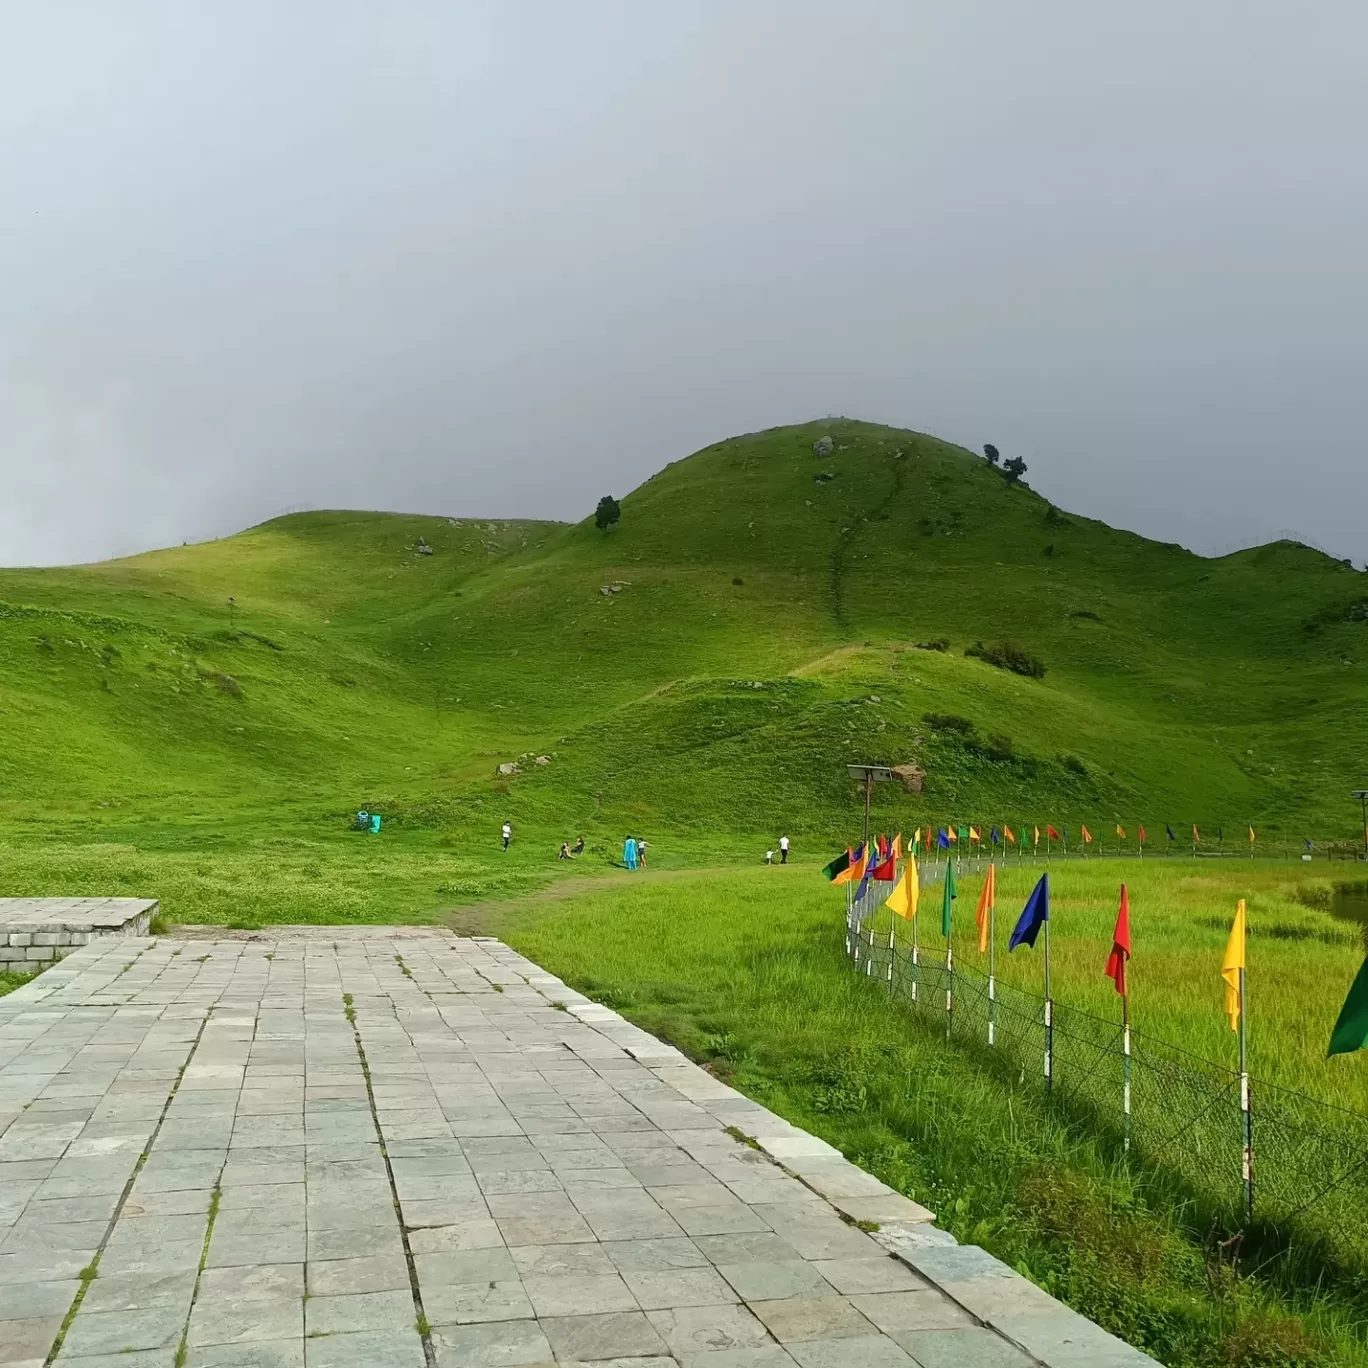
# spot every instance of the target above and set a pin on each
(564, 851)
(579, 847)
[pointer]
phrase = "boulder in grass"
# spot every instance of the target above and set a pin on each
(911, 776)
(509, 767)
(823, 446)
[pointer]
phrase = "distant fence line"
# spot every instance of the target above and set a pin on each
(1210, 848)
(1307, 1172)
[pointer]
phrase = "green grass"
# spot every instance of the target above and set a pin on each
(352, 670)
(747, 972)
(158, 740)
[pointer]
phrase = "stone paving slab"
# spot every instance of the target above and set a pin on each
(381, 1147)
(36, 931)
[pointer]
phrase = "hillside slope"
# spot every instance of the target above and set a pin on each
(768, 598)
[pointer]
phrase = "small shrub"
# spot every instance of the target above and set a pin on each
(1007, 655)
(1049, 550)
(999, 749)
(949, 722)
(227, 684)
(1074, 765)
(737, 580)
(1270, 1339)
(1085, 613)
(938, 644)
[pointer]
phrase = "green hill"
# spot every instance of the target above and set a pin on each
(763, 634)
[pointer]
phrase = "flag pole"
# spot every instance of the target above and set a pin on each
(992, 950)
(1049, 1017)
(1126, 1068)
(1247, 1118)
(915, 920)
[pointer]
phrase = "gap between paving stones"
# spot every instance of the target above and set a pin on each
(420, 1316)
(91, 1272)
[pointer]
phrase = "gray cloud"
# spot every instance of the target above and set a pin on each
(495, 259)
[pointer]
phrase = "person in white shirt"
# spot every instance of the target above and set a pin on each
(783, 850)
(507, 834)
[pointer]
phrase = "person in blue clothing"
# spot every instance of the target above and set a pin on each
(629, 852)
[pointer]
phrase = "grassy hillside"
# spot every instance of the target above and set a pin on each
(763, 635)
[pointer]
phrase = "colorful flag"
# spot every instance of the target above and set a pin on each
(1351, 1030)
(952, 833)
(985, 906)
(948, 898)
(1121, 947)
(885, 871)
(963, 834)
(1052, 833)
(1251, 835)
(928, 838)
(943, 839)
(1037, 835)
(1033, 916)
(896, 852)
(994, 838)
(1196, 838)
(1009, 834)
(1231, 965)
(838, 866)
(1121, 831)
(1169, 829)
(974, 834)
(1087, 836)
(859, 864)
(1142, 833)
(903, 898)
(850, 873)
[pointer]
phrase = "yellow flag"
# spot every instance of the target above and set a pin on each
(1251, 835)
(1232, 964)
(1121, 831)
(903, 898)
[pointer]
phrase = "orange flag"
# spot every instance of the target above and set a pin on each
(985, 907)
(1087, 835)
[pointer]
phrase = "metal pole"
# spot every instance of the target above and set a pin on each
(914, 958)
(949, 988)
(869, 789)
(1049, 1017)
(1247, 1151)
(992, 981)
(892, 922)
(1126, 1069)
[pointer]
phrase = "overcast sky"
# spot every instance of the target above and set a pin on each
(499, 258)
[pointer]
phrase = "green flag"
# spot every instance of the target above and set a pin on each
(838, 866)
(1351, 1030)
(948, 899)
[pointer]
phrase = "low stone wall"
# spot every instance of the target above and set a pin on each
(38, 931)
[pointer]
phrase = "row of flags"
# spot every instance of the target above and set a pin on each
(877, 861)
(947, 837)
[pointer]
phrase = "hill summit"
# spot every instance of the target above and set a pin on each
(766, 610)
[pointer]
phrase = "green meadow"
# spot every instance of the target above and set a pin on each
(746, 970)
(199, 724)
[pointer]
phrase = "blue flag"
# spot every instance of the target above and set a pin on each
(993, 836)
(1033, 916)
(1169, 829)
(1309, 846)
(942, 839)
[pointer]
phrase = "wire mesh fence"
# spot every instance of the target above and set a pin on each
(1304, 1173)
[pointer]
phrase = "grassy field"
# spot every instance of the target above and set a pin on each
(747, 972)
(763, 634)
(198, 724)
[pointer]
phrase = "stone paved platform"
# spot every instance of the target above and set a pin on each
(36, 931)
(392, 1149)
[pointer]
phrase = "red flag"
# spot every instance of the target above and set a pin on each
(1121, 947)
(1142, 833)
(1052, 833)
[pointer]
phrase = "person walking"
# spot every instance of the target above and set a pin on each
(507, 834)
(769, 857)
(641, 853)
(629, 852)
(783, 850)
